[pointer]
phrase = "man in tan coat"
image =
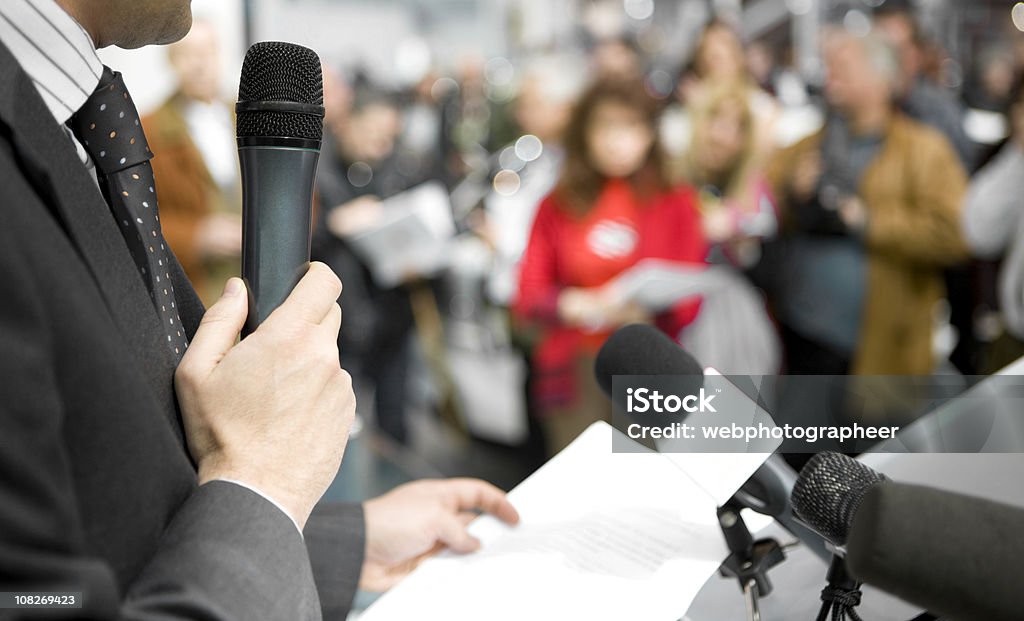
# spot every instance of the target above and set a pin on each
(871, 212)
(196, 166)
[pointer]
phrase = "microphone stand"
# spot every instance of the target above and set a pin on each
(749, 560)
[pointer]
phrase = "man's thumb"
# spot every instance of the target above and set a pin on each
(219, 328)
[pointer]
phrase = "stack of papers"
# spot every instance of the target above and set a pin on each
(603, 536)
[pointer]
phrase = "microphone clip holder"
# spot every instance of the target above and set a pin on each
(749, 560)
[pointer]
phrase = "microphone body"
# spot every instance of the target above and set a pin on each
(279, 125)
(277, 198)
(957, 556)
(954, 555)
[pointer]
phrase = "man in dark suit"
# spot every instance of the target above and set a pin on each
(147, 461)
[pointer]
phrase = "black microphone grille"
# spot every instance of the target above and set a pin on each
(279, 71)
(274, 71)
(828, 492)
(642, 349)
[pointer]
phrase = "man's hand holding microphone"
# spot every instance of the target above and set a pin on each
(273, 412)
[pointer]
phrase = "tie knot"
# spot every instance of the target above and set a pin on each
(108, 126)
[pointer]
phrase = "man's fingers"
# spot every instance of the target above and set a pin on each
(378, 578)
(471, 494)
(313, 297)
(468, 495)
(452, 532)
(332, 321)
(219, 329)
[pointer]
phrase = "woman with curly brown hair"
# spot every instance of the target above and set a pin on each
(611, 208)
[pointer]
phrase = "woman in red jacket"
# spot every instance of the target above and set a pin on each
(611, 208)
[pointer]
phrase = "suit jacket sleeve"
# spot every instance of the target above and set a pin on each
(227, 554)
(336, 538)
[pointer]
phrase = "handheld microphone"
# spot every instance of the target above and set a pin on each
(279, 128)
(952, 554)
(642, 349)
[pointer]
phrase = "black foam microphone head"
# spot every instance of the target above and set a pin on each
(642, 349)
(281, 92)
(828, 492)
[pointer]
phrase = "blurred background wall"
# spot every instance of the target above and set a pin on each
(398, 40)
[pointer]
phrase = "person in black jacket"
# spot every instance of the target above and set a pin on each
(147, 462)
(358, 168)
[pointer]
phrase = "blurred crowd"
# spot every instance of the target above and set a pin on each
(867, 224)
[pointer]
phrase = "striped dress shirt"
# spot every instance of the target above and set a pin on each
(56, 53)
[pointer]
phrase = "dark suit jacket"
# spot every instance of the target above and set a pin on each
(98, 493)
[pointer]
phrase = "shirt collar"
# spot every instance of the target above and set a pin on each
(54, 50)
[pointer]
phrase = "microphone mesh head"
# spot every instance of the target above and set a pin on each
(642, 349)
(277, 71)
(829, 491)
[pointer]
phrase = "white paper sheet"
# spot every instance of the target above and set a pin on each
(412, 238)
(657, 284)
(603, 536)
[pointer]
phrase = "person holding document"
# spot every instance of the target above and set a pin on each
(358, 170)
(870, 215)
(150, 466)
(734, 334)
(611, 208)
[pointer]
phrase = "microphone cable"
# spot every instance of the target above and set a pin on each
(841, 595)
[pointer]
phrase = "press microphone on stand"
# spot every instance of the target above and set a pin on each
(825, 496)
(279, 128)
(641, 349)
(955, 555)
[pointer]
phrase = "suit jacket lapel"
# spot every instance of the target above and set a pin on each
(63, 183)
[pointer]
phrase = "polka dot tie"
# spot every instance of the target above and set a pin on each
(108, 127)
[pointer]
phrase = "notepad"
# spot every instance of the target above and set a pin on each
(603, 536)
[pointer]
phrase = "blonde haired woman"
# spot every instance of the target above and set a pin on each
(733, 332)
(722, 162)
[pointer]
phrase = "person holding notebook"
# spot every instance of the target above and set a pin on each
(611, 208)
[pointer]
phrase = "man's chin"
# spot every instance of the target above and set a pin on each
(177, 31)
(173, 29)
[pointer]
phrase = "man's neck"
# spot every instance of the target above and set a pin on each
(80, 13)
(869, 121)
